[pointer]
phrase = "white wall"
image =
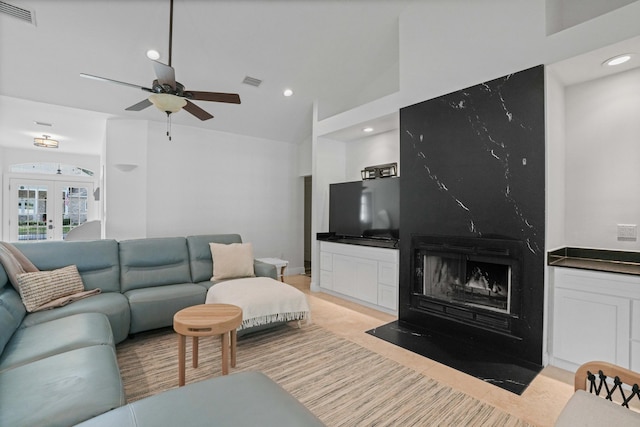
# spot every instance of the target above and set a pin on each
(330, 158)
(562, 14)
(305, 156)
(370, 151)
(125, 192)
(602, 162)
(205, 182)
(555, 161)
(449, 45)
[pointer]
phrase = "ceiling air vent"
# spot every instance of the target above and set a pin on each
(252, 81)
(18, 12)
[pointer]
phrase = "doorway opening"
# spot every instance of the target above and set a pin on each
(307, 224)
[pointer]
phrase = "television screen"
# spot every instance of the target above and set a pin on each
(368, 208)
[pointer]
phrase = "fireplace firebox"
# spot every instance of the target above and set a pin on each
(475, 281)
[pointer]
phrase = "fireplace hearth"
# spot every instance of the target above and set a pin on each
(468, 280)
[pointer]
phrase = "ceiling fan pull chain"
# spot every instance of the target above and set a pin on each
(169, 125)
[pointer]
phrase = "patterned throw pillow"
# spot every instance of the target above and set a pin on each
(42, 287)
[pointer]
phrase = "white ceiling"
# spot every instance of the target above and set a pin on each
(327, 50)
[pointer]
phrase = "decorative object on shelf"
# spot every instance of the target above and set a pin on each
(380, 171)
(45, 142)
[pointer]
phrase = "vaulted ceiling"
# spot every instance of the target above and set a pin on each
(328, 50)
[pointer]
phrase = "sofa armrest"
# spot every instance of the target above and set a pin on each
(262, 269)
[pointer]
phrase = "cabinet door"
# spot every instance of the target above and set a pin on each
(388, 273)
(635, 356)
(388, 296)
(326, 279)
(589, 326)
(326, 261)
(356, 277)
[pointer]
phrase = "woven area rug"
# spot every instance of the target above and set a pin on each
(339, 381)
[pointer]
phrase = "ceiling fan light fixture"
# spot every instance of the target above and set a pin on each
(153, 54)
(45, 142)
(167, 103)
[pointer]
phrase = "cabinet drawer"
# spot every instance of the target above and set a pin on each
(326, 261)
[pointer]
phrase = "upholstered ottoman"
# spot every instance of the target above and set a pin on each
(240, 400)
(264, 301)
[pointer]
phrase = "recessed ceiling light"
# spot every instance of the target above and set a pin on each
(287, 92)
(153, 54)
(367, 129)
(617, 60)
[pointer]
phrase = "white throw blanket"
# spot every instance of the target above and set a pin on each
(263, 300)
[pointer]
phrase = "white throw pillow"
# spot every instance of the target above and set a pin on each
(232, 260)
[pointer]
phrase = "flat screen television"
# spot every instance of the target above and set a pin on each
(368, 208)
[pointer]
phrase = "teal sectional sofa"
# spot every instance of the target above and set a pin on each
(58, 367)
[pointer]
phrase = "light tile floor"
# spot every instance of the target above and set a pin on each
(539, 405)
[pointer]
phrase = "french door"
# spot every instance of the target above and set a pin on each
(47, 209)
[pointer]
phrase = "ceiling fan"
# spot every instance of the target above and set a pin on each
(167, 94)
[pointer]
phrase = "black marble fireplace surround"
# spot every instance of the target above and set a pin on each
(473, 172)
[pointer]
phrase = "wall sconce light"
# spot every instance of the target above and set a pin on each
(380, 171)
(45, 142)
(125, 167)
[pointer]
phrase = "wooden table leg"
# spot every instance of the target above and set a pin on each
(194, 345)
(182, 341)
(282, 273)
(234, 340)
(225, 353)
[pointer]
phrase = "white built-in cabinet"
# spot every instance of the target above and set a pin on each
(596, 316)
(364, 274)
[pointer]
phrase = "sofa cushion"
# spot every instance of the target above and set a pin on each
(237, 400)
(154, 307)
(12, 312)
(200, 253)
(97, 260)
(588, 410)
(232, 261)
(56, 336)
(41, 287)
(61, 390)
(113, 305)
(153, 262)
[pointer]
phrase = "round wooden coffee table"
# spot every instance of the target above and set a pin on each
(207, 320)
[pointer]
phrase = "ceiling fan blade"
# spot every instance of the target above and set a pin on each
(166, 74)
(197, 111)
(231, 98)
(140, 105)
(104, 79)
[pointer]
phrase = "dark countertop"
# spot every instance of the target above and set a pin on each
(596, 259)
(359, 241)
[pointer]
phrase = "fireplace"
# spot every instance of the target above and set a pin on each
(468, 280)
